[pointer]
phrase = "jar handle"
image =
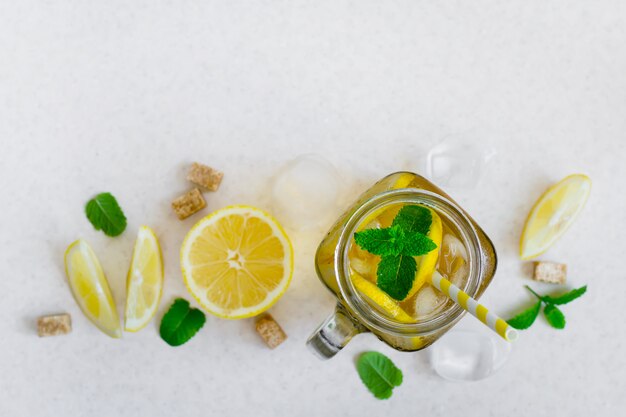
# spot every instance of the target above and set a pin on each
(332, 335)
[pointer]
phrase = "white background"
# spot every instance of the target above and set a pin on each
(121, 96)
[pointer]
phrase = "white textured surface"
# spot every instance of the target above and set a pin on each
(121, 97)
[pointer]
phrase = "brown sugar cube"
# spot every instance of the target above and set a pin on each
(55, 325)
(188, 204)
(205, 176)
(550, 272)
(270, 331)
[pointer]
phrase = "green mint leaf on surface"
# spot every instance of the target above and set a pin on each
(396, 274)
(417, 244)
(565, 298)
(554, 316)
(379, 374)
(413, 219)
(105, 214)
(526, 318)
(386, 241)
(181, 323)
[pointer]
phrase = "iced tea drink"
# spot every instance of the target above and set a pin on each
(407, 315)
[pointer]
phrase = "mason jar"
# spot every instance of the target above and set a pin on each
(353, 313)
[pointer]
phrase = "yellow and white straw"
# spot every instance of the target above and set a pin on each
(472, 306)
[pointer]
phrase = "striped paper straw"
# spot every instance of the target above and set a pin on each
(472, 306)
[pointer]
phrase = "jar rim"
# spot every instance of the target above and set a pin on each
(443, 206)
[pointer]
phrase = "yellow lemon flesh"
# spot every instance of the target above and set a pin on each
(553, 214)
(380, 299)
(426, 264)
(237, 262)
(90, 288)
(144, 283)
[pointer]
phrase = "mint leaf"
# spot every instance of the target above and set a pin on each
(526, 318)
(396, 274)
(565, 298)
(379, 374)
(394, 241)
(105, 214)
(397, 245)
(417, 244)
(554, 316)
(413, 218)
(386, 241)
(181, 323)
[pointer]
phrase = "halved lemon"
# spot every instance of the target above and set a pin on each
(237, 262)
(553, 214)
(144, 283)
(379, 299)
(90, 288)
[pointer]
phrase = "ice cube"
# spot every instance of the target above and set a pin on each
(453, 255)
(363, 263)
(459, 277)
(459, 161)
(454, 247)
(364, 268)
(305, 192)
(468, 355)
(427, 300)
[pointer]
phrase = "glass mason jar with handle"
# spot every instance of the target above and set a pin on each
(358, 310)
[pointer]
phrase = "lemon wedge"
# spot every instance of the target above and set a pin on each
(90, 288)
(378, 298)
(553, 214)
(144, 283)
(237, 262)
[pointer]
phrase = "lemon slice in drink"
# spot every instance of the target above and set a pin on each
(380, 299)
(145, 281)
(403, 180)
(237, 262)
(553, 214)
(426, 264)
(90, 288)
(385, 215)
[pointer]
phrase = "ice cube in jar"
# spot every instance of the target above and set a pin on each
(453, 265)
(427, 301)
(453, 260)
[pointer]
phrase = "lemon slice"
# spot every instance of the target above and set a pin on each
(379, 299)
(553, 214)
(145, 281)
(383, 216)
(403, 180)
(90, 288)
(237, 262)
(426, 264)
